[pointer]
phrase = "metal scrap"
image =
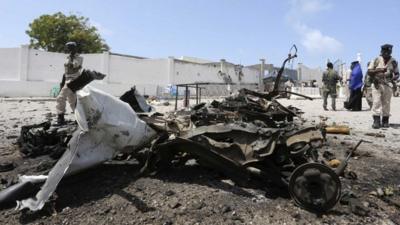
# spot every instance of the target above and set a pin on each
(6, 166)
(378, 135)
(96, 140)
(343, 164)
(136, 101)
(338, 129)
(45, 139)
(249, 139)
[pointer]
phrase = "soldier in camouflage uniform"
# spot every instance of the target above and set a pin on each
(329, 79)
(72, 71)
(382, 71)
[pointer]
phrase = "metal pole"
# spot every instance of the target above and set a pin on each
(197, 94)
(176, 98)
(261, 80)
(200, 95)
(186, 96)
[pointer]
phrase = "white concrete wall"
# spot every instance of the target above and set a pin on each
(250, 75)
(45, 66)
(305, 73)
(9, 63)
(30, 72)
(93, 62)
(146, 74)
(190, 72)
(186, 72)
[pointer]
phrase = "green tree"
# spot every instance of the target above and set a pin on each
(51, 32)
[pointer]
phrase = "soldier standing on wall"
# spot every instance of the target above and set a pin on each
(72, 68)
(383, 71)
(329, 79)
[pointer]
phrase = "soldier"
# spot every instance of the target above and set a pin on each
(72, 71)
(329, 79)
(382, 71)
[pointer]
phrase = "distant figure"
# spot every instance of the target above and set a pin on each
(356, 76)
(329, 79)
(345, 82)
(367, 89)
(314, 83)
(383, 71)
(288, 85)
(72, 68)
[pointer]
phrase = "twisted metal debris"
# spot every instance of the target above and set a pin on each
(249, 139)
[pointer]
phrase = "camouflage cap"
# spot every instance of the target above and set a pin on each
(71, 44)
(387, 47)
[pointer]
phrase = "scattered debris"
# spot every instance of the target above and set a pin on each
(338, 129)
(342, 166)
(388, 191)
(350, 175)
(379, 135)
(391, 201)
(25, 188)
(357, 207)
(45, 139)
(328, 155)
(136, 101)
(12, 136)
(346, 196)
(334, 163)
(6, 166)
(380, 192)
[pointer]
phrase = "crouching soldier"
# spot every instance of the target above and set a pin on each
(383, 71)
(72, 68)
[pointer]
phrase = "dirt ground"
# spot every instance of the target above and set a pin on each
(113, 194)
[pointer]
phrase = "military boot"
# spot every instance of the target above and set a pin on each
(385, 121)
(60, 119)
(377, 122)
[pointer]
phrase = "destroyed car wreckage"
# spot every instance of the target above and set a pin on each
(249, 136)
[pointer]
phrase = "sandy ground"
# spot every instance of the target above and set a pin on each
(110, 194)
(359, 123)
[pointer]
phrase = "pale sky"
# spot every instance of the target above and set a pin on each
(241, 31)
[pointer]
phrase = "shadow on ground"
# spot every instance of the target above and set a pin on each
(110, 179)
(90, 186)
